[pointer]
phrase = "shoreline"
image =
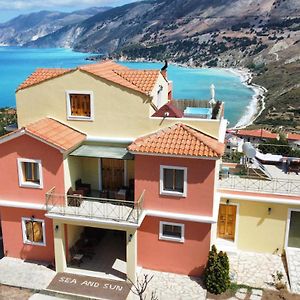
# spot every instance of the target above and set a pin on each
(256, 105)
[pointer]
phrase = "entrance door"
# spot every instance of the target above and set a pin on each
(112, 173)
(294, 232)
(226, 221)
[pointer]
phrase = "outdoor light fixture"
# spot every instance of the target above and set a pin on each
(32, 217)
(130, 238)
(227, 201)
(269, 210)
(56, 228)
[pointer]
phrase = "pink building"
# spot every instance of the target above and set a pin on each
(105, 167)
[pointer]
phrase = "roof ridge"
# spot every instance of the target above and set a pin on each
(196, 132)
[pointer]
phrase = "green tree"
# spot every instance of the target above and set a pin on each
(216, 274)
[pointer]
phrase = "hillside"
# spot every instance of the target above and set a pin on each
(263, 35)
(30, 27)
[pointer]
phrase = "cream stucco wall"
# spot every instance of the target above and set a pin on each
(258, 230)
(74, 233)
(119, 112)
(90, 171)
(72, 171)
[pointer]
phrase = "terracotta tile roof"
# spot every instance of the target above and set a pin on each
(259, 133)
(293, 136)
(41, 75)
(139, 80)
(179, 139)
(55, 133)
(170, 109)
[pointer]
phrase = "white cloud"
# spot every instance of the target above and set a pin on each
(57, 4)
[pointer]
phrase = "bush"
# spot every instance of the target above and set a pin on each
(216, 274)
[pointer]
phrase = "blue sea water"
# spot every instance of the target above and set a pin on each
(17, 63)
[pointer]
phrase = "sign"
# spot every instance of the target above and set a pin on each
(89, 286)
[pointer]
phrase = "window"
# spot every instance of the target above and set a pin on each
(30, 173)
(171, 232)
(79, 105)
(33, 231)
(173, 181)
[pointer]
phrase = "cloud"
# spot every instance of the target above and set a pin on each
(57, 4)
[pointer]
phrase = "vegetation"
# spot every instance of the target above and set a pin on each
(7, 116)
(216, 274)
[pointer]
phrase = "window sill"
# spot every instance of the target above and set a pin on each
(171, 239)
(31, 185)
(174, 194)
(34, 244)
(73, 118)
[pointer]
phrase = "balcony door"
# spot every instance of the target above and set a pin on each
(112, 173)
(293, 238)
(226, 221)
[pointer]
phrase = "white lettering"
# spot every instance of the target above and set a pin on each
(90, 283)
(67, 280)
(106, 286)
(62, 279)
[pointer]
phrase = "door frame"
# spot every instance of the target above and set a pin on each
(236, 233)
(288, 221)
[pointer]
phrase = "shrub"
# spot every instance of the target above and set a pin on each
(216, 274)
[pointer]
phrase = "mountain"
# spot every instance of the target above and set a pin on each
(262, 35)
(30, 27)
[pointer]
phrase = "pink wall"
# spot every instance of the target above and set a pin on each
(27, 147)
(11, 222)
(200, 184)
(187, 258)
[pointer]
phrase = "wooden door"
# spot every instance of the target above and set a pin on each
(226, 221)
(112, 174)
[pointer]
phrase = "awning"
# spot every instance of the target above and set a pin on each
(102, 152)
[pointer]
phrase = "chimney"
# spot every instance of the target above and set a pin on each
(163, 70)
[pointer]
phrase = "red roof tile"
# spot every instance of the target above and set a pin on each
(41, 75)
(260, 133)
(179, 139)
(55, 133)
(171, 110)
(139, 80)
(293, 137)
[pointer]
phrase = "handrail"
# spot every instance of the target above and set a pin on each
(281, 186)
(93, 207)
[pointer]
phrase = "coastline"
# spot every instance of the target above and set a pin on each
(257, 104)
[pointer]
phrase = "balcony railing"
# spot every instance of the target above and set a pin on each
(254, 184)
(95, 208)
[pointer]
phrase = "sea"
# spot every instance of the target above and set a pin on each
(17, 63)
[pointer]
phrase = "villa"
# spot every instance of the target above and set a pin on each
(107, 174)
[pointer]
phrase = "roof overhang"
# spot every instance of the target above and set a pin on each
(102, 152)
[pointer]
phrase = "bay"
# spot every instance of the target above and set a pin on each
(18, 63)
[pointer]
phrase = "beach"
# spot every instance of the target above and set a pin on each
(256, 105)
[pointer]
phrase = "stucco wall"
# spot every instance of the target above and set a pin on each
(11, 222)
(119, 112)
(259, 230)
(187, 258)
(90, 172)
(200, 184)
(73, 234)
(27, 147)
(72, 171)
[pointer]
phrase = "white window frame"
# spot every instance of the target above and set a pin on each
(169, 238)
(27, 242)
(79, 118)
(173, 193)
(29, 184)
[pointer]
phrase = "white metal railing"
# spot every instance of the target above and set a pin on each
(96, 208)
(255, 184)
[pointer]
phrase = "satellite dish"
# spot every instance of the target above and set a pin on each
(249, 150)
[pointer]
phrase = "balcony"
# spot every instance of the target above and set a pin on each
(111, 210)
(279, 186)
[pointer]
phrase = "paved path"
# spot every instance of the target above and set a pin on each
(255, 269)
(243, 293)
(293, 261)
(16, 272)
(173, 286)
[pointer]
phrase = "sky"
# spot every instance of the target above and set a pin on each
(10, 8)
